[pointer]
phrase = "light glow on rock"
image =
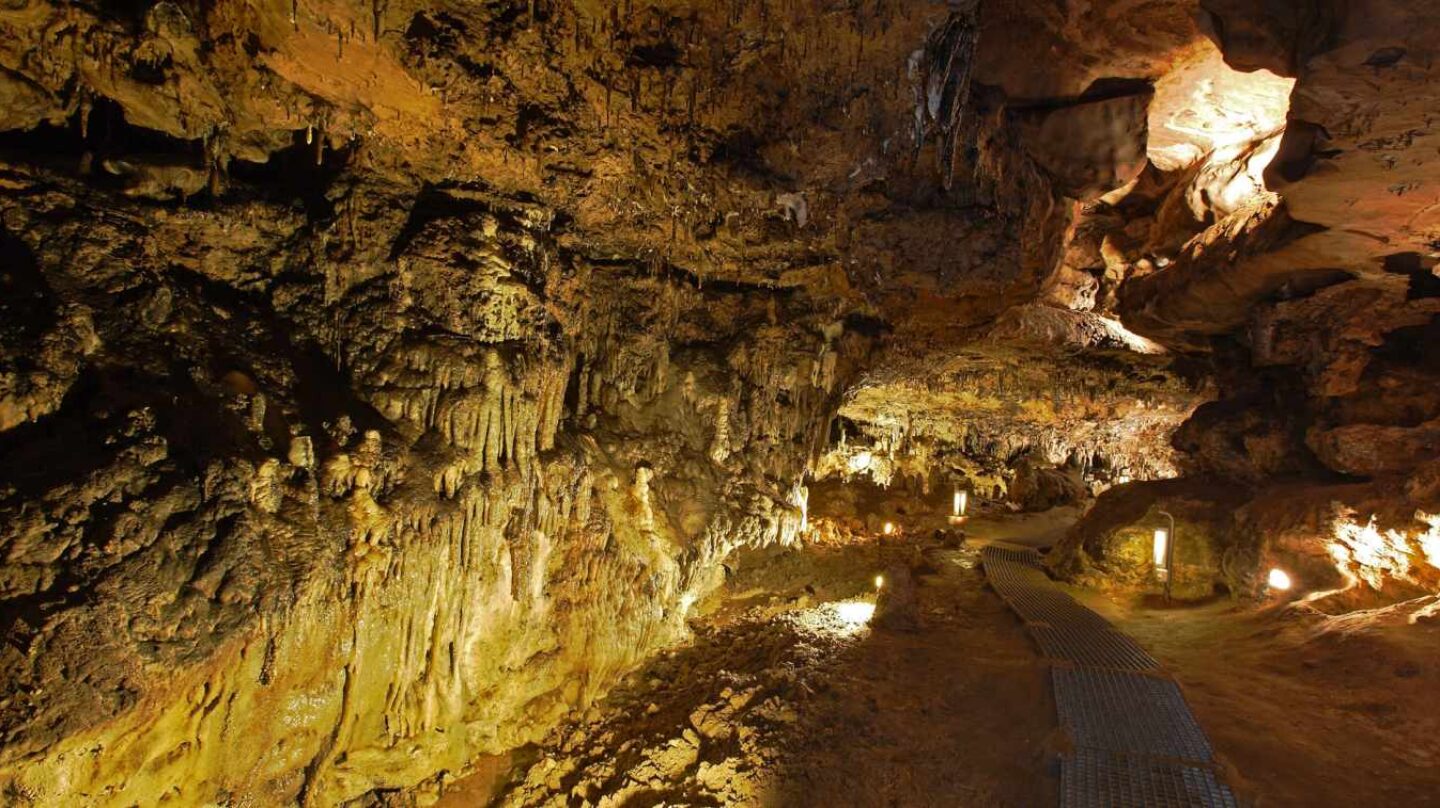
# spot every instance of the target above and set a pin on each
(859, 462)
(1117, 332)
(1369, 554)
(1363, 553)
(1204, 105)
(855, 612)
(1430, 539)
(1278, 580)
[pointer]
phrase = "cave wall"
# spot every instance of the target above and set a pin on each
(381, 381)
(251, 548)
(1331, 291)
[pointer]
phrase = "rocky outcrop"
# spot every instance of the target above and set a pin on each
(1054, 386)
(1113, 545)
(1310, 292)
(1060, 50)
(1091, 146)
(1351, 170)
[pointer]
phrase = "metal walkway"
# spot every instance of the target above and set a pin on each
(1135, 742)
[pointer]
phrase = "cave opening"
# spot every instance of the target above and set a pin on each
(672, 402)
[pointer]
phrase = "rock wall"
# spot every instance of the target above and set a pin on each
(1041, 386)
(379, 381)
(333, 535)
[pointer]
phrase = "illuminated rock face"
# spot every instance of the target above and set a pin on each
(478, 491)
(1312, 294)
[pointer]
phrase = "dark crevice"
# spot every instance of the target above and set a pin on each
(740, 149)
(866, 325)
(294, 174)
(27, 304)
(320, 391)
(91, 137)
(1105, 89)
(440, 31)
(98, 146)
(658, 55)
(441, 202)
(1424, 283)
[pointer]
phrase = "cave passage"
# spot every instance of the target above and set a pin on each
(743, 403)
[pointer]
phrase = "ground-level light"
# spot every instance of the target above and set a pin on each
(959, 504)
(879, 581)
(855, 612)
(888, 529)
(1279, 579)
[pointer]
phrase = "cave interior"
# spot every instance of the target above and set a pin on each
(719, 403)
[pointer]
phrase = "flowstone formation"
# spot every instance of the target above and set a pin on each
(240, 562)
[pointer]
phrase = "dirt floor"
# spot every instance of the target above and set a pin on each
(782, 700)
(1303, 712)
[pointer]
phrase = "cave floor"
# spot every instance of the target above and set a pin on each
(780, 701)
(1305, 711)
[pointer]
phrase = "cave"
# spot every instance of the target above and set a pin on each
(692, 403)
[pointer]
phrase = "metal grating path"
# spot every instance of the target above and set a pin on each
(1091, 779)
(1054, 608)
(1136, 742)
(1088, 645)
(1128, 712)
